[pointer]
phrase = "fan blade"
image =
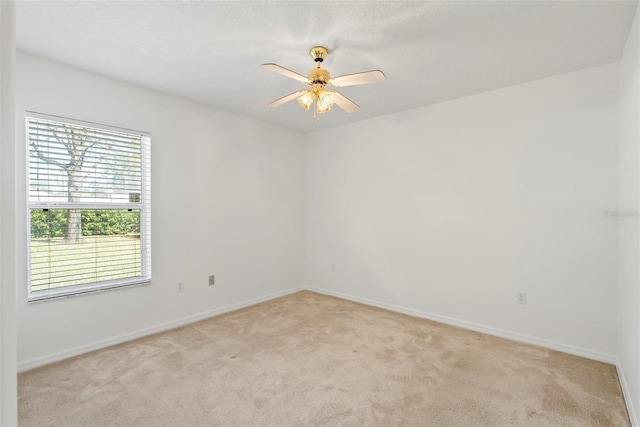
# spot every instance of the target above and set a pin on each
(286, 72)
(345, 103)
(375, 76)
(278, 102)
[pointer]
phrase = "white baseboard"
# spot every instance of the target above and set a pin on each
(97, 345)
(489, 330)
(633, 417)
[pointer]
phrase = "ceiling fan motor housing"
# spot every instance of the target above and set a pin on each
(319, 76)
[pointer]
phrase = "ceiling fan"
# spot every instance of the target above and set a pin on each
(323, 99)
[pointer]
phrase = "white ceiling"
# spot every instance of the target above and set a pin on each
(211, 51)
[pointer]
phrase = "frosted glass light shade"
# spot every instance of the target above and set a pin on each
(306, 100)
(325, 101)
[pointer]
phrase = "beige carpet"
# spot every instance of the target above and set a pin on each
(308, 359)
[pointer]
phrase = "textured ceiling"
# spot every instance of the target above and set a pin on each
(211, 51)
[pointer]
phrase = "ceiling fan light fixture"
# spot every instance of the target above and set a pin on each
(317, 97)
(321, 109)
(306, 100)
(325, 101)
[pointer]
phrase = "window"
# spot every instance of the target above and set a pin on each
(88, 207)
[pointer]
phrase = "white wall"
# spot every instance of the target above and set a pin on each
(8, 386)
(628, 337)
(449, 209)
(227, 199)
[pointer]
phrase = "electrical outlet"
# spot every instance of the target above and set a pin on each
(521, 297)
(180, 287)
(212, 280)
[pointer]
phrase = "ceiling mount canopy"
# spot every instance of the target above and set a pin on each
(318, 78)
(318, 53)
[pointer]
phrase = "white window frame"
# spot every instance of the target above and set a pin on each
(144, 207)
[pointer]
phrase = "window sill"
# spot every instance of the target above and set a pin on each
(69, 293)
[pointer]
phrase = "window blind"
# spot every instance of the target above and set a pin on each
(89, 207)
